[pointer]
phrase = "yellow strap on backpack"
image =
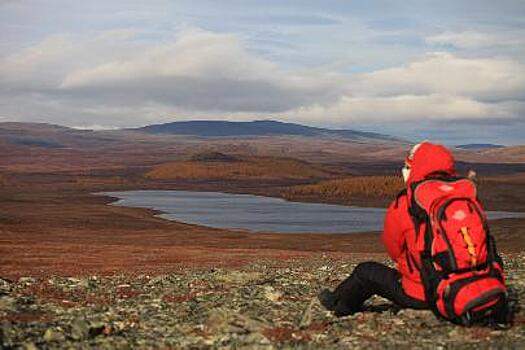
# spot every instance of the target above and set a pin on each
(470, 246)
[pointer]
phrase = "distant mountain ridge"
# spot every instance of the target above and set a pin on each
(213, 128)
(479, 146)
(39, 146)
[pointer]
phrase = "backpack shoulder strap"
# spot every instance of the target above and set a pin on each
(429, 276)
(418, 214)
(401, 193)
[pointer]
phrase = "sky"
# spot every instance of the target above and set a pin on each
(449, 71)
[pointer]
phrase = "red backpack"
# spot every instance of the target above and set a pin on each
(460, 269)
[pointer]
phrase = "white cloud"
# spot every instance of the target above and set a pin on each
(45, 64)
(197, 70)
(195, 53)
(115, 78)
(402, 108)
(444, 73)
(437, 87)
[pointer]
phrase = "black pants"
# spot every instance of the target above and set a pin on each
(367, 279)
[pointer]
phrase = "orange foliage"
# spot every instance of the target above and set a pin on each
(342, 189)
(97, 180)
(256, 168)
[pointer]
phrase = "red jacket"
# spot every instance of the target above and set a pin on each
(399, 236)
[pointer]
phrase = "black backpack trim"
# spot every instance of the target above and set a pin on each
(456, 287)
(401, 193)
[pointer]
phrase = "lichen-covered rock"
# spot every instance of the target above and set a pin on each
(260, 306)
(5, 286)
(53, 335)
(79, 329)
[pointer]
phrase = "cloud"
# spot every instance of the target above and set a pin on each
(197, 70)
(409, 108)
(194, 53)
(490, 79)
(118, 78)
(473, 39)
(439, 87)
(45, 64)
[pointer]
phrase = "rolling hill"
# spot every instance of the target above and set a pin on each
(40, 147)
(226, 167)
(211, 128)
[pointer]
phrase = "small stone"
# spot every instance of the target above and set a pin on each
(255, 339)
(25, 300)
(7, 303)
(306, 318)
(26, 280)
(29, 346)
(5, 286)
(271, 294)
(155, 280)
(453, 333)
(52, 335)
(79, 329)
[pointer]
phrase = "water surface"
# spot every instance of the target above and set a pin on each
(260, 214)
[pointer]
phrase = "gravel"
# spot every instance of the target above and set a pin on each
(264, 305)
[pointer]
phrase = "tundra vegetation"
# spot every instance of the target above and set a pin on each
(78, 273)
(347, 188)
(265, 304)
(262, 168)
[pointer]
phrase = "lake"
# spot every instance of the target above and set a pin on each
(258, 213)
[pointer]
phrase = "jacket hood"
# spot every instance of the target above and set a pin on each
(429, 158)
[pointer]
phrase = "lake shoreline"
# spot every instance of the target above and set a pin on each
(52, 225)
(255, 214)
(155, 200)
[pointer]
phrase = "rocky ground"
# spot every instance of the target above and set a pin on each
(263, 305)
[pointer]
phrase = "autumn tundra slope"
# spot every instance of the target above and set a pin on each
(78, 272)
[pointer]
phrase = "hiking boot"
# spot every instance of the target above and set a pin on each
(343, 310)
(327, 299)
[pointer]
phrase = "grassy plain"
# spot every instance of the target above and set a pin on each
(53, 224)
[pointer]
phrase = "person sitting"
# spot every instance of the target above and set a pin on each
(415, 235)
